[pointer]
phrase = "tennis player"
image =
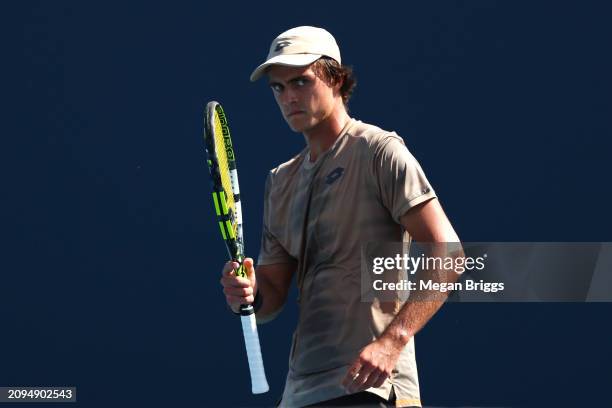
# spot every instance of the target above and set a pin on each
(353, 183)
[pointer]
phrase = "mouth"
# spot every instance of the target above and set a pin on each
(294, 113)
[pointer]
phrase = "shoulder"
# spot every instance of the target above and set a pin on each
(374, 139)
(284, 174)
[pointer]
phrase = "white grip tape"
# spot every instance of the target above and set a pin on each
(251, 341)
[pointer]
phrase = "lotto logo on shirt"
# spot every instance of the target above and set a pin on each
(334, 175)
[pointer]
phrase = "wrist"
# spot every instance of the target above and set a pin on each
(234, 311)
(396, 337)
(257, 301)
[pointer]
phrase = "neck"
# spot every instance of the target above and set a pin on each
(321, 137)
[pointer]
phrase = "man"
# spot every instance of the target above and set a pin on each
(353, 183)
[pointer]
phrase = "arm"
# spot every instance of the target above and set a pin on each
(426, 223)
(271, 281)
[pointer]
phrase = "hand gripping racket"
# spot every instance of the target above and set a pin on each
(226, 198)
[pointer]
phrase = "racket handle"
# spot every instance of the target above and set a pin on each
(251, 341)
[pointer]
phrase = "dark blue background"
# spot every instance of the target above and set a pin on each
(110, 257)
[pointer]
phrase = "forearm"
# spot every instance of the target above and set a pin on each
(273, 282)
(272, 301)
(410, 319)
(422, 304)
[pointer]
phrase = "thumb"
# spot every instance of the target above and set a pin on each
(248, 265)
(250, 272)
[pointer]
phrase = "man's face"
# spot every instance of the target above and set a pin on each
(303, 98)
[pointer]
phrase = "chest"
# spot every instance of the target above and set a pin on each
(325, 206)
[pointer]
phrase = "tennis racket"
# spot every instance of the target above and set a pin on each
(226, 198)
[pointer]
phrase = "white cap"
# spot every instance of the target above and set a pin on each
(298, 47)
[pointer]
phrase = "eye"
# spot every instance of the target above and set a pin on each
(276, 87)
(301, 81)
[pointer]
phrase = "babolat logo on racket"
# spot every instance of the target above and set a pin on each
(226, 135)
(334, 175)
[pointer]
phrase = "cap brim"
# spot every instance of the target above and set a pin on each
(288, 60)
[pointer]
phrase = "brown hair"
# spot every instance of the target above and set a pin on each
(332, 73)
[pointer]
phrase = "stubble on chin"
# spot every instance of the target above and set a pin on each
(296, 127)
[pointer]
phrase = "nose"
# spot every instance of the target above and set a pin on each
(288, 97)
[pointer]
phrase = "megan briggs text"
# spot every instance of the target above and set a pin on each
(468, 285)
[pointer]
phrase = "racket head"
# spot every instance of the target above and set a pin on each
(221, 162)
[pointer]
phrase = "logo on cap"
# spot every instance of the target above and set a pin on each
(281, 45)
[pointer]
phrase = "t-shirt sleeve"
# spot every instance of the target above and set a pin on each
(271, 251)
(401, 181)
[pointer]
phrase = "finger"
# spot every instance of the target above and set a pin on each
(248, 264)
(229, 268)
(361, 380)
(380, 380)
(238, 300)
(351, 374)
(240, 292)
(373, 379)
(250, 272)
(235, 281)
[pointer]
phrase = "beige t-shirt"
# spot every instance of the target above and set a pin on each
(321, 214)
